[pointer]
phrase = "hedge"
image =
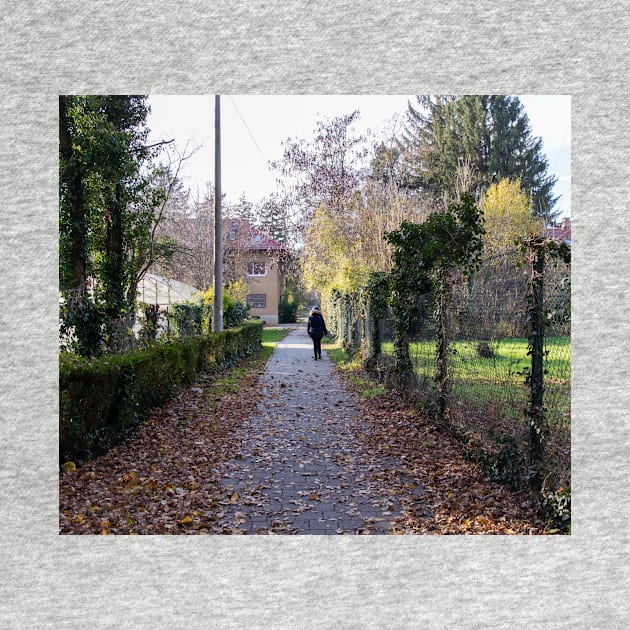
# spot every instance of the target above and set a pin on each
(102, 400)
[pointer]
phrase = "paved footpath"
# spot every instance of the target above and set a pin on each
(301, 468)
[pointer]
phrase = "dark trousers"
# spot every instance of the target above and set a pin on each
(317, 347)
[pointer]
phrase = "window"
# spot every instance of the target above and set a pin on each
(256, 268)
(257, 300)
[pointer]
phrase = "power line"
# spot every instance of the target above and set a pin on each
(262, 155)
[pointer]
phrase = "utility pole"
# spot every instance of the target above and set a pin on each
(217, 316)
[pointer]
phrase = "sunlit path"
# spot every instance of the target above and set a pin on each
(302, 469)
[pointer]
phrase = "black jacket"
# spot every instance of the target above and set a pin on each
(316, 326)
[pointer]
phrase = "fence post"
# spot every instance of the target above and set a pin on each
(403, 374)
(536, 411)
(441, 299)
(346, 327)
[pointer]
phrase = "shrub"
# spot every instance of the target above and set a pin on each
(102, 400)
(235, 309)
(556, 510)
(234, 312)
(287, 311)
(186, 318)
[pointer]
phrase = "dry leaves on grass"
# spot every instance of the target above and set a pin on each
(163, 480)
(458, 497)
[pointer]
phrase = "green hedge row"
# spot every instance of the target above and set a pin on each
(102, 400)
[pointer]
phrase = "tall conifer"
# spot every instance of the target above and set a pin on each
(490, 135)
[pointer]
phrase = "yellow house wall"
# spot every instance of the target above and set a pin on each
(269, 284)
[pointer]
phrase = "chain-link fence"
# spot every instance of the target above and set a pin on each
(488, 329)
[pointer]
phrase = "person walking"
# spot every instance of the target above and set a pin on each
(316, 329)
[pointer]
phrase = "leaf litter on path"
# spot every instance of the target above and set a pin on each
(273, 459)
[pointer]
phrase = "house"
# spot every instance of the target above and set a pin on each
(560, 232)
(252, 254)
(264, 280)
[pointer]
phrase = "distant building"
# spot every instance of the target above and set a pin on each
(254, 256)
(560, 232)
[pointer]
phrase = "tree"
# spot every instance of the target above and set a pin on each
(492, 301)
(127, 200)
(81, 316)
(489, 135)
(507, 210)
(74, 209)
(330, 257)
(190, 225)
(108, 204)
(343, 246)
(424, 254)
(323, 172)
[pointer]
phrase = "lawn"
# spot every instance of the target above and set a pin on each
(500, 380)
(270, 338)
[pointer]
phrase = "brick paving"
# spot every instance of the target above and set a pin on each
(302, 469)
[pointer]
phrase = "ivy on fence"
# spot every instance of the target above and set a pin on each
(437, 287)
(424, 254)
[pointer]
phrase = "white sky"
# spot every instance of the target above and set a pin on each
(253, 127)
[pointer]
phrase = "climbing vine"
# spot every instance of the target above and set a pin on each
(424, 255)
(377, 295)
(538, 250)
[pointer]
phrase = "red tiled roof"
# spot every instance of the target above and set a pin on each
(560, 232)
(261, 242)
(256, 241)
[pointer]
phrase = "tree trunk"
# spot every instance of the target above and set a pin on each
(373, 337)
(441, 378)
(72, 175)
(115, 288)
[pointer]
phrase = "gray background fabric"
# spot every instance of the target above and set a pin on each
(52, 581)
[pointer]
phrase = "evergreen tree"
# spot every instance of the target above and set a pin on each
(488, 135)
(516, 154)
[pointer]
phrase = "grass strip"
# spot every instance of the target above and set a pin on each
(352, 367)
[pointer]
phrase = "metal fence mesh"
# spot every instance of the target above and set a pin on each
(487, 331)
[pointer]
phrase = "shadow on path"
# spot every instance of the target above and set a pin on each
(302, 467)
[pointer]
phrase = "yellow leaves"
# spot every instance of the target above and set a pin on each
(186, 520)
(69, 467)
(130, 477)
(508, 214)
(314, 496)
(234, 497)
